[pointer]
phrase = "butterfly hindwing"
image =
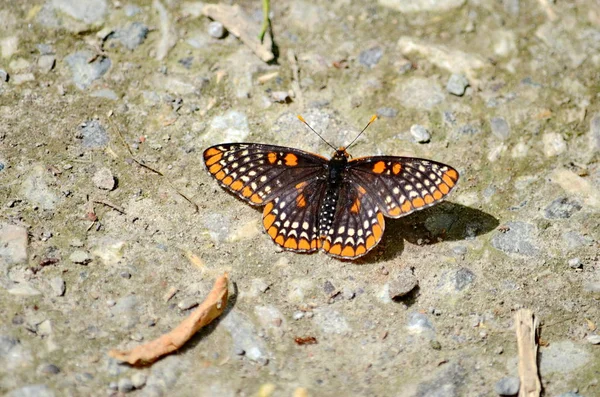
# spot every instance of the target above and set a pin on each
(402, 185)
(258, 173)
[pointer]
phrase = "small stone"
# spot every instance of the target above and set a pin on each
(113, 385)
(216, 30)
(347, 293)
(508, 386)
(22, 78)
(77, 243)
(3, 76)
(518, 239)
(105, 93)
(500, 128)
(460, 250)
(125, 385)
(138, 380)
(126, 275)
(94, 134)
(84, 377)
(561, 208)
(23, 289)
(104, 179)
(387, 112)
(594, 129)
(554, 144)
(328, 288)
(133, 35)
(593, 339)
(84, 73)
(370, 57)
(81, 257)
(457, 84)
(420, 93)
(420, 133)
(499, 350)
(331, 321)
(280, 96)
(419, 323)
(187, 303)
(402, 284)
(9, 46)
(13, 245)
(46, 63)
(58, 286)
(48, 369)
(575, 263)
(258, 285)
(298, 315)
(239, 351)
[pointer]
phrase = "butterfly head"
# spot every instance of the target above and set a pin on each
(341, 153)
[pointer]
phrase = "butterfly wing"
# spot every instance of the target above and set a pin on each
(358, 223)
(402, 185)
(258, 173)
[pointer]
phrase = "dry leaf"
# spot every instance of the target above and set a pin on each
(211, 308)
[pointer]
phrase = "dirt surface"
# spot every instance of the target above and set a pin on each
(111, 231)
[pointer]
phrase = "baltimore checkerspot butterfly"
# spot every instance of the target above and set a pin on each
(336, 205)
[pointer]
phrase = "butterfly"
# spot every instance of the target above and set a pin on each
(336, 205)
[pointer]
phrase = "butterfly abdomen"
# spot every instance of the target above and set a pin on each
(336, 168)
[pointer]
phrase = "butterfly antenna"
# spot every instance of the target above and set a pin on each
(363, 130)
(313, 130)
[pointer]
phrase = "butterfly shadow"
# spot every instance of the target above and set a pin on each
(444, 222)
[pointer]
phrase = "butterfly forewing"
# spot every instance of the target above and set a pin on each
(258, 173)
(402, 185)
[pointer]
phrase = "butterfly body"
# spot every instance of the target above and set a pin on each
(336, 205)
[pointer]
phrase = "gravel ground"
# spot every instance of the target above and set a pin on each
(98, 251)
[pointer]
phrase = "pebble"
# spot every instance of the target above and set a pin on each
(83, 72)
(31, 391)
(125, 385)
(23, 289)
(298, 315)
(387, 112)
(561, 208)
(9, 46)
(3, 76)
(132, 35)
(554, 144)
(280, 96)
(270, 317)
(517, 240)
(127, 311)
(419, 323)
(563, 357)
(575, 263)
(245, 337)
(218, 225)
(104, 179)
(594, 130)
(216, 30)
(500, 128)
(105, 93)
(593, 339)
(83, 377)
(331, 321)
(508, 386)
(420, 133)
(22, 78)
(93, 134)
(138, 380)
(457, 84)
(187, 303)
(370, 57)
(229, 127)
(403, 283)
(411, 6)
(81, 257)
(13, 245)
(46, 63)
(90, 12)
(48, 369)
(420, 93)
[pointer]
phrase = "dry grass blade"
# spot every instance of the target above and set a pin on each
(211, 308)
(526, 325)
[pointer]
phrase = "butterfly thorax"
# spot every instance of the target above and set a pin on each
(336, 169)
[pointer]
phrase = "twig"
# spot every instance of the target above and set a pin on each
(111, 205)
(526, 325)
(266, 6)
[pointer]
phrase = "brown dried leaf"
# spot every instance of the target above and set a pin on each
(211, 308)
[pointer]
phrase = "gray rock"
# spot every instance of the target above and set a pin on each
(88, 11)
(563, 357)
(594, 132)
(575, 240)
(575, 263)
(554, 144)
(3, 76)
(187, 303)
(403, 283)
(229, 127)
(139, 380)
(216, 30)
(80, 257)
(48, 369)
(84, 73)
(593, 339)
(23, 289)
(94, 135)
(370, 57)
(132, 35)
(13, 245)
(507, 386)
(22, 78)
(468, 129)
(32, 391)
(105, 93)
(245, 337)
(518, 239)
(457, 84)
(420, 133)
(125, 385)
(218, 226)
(445, 383)
(561, 208)
(7, 343)
(46, 63)
(419, 323)
(126, 311)
(387, 112)
(420, 93)
(331, 321)
(270, 318)
(500, 128)
(280, 96)
(37, 190)
(104, 179)
(410, 6)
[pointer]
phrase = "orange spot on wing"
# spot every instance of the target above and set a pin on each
(370, 242)
(228, 180)
(437, 195)
(448, 180)
(237, 185)
(380, 218)
(220, 175)
(361, 190)
(211, 152)
(406, 207)
(315, 243)
(269, 207)
(301, 201)
(326, 245)
(247, 192)
(378, 167)
(214, 159)
(291, 243)
(429, 199)
(336, 249)
(348, 251)
(213, 169)
(255, 198)
(291, 160)
(301, 185)
(377, 232)
(396, 168)
(279, 240)
(304, 244)
(395, 211)
(444, 188)
(355, 206)
(273, 232)
(360, 250)
(452, 174)
(268, 221)
(418, 202)
(272, 157)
